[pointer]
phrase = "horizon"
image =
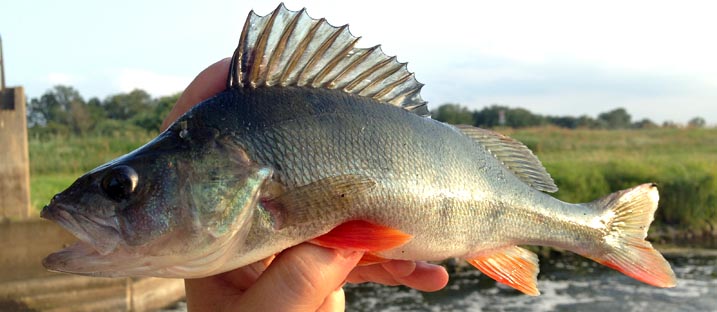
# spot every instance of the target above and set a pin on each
(554, 58)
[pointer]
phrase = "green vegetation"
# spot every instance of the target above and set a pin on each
(62, 111)
(589, 164)
(56, 161)
(503, 116)
(79, 154)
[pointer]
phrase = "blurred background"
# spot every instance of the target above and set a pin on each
(608, 94)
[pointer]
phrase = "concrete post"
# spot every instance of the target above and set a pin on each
(14, 158)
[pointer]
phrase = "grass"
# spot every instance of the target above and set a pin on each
(56, 162)
(586, 165)
(79, 154)
(44, 186)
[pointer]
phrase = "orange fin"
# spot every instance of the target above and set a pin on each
(512, 266)
(628, 215)
(363, 236)
(371, 258)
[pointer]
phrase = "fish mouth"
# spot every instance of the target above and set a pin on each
(97, 237)
(100, 252)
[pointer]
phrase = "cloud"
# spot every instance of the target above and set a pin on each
(563, 88)
(155, 83)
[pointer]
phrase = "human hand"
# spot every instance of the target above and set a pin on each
(304, 277)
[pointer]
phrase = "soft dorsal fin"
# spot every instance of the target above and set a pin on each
(517, 157)
(288, 48)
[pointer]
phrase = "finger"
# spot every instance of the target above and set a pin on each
(300, 279)
(399, 268)
(243, 278)
(209, 82)
(426, 277)
(336, 301)
(384, 273)
(214, 291)
(419, 275)
(372, 273)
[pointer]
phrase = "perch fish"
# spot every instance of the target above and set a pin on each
(316, 140)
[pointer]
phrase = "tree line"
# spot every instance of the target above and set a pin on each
(63, 111)
(503, 116)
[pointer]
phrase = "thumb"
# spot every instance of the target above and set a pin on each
(210, 81)
(299, 279)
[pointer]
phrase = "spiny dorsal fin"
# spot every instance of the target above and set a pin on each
(288, 48)
(515, 156)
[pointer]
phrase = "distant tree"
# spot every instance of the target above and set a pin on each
(124, 106)
(453, 114)
(522, 118)
(586, 121)
(151, 120)
(697, 122)
(616, 119)
(644, 124)
(489, 117)
(670, 124)
(61, 107)
(562, 121)
(96, 110)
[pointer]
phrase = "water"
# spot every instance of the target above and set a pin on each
(568, 283)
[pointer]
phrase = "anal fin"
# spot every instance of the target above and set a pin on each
(363, 236)
(512, 266)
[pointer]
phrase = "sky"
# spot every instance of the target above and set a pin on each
(656, 59)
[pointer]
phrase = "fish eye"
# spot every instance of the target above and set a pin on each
(120, 182)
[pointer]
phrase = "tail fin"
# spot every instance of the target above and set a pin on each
(628, 215)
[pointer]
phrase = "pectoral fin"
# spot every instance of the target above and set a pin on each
(334, 195)
(512, 266)
(363, 236)
(320, 199)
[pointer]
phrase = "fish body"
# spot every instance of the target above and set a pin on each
(417, 165)
(315, 140)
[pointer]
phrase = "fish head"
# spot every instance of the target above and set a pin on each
(177, 207)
